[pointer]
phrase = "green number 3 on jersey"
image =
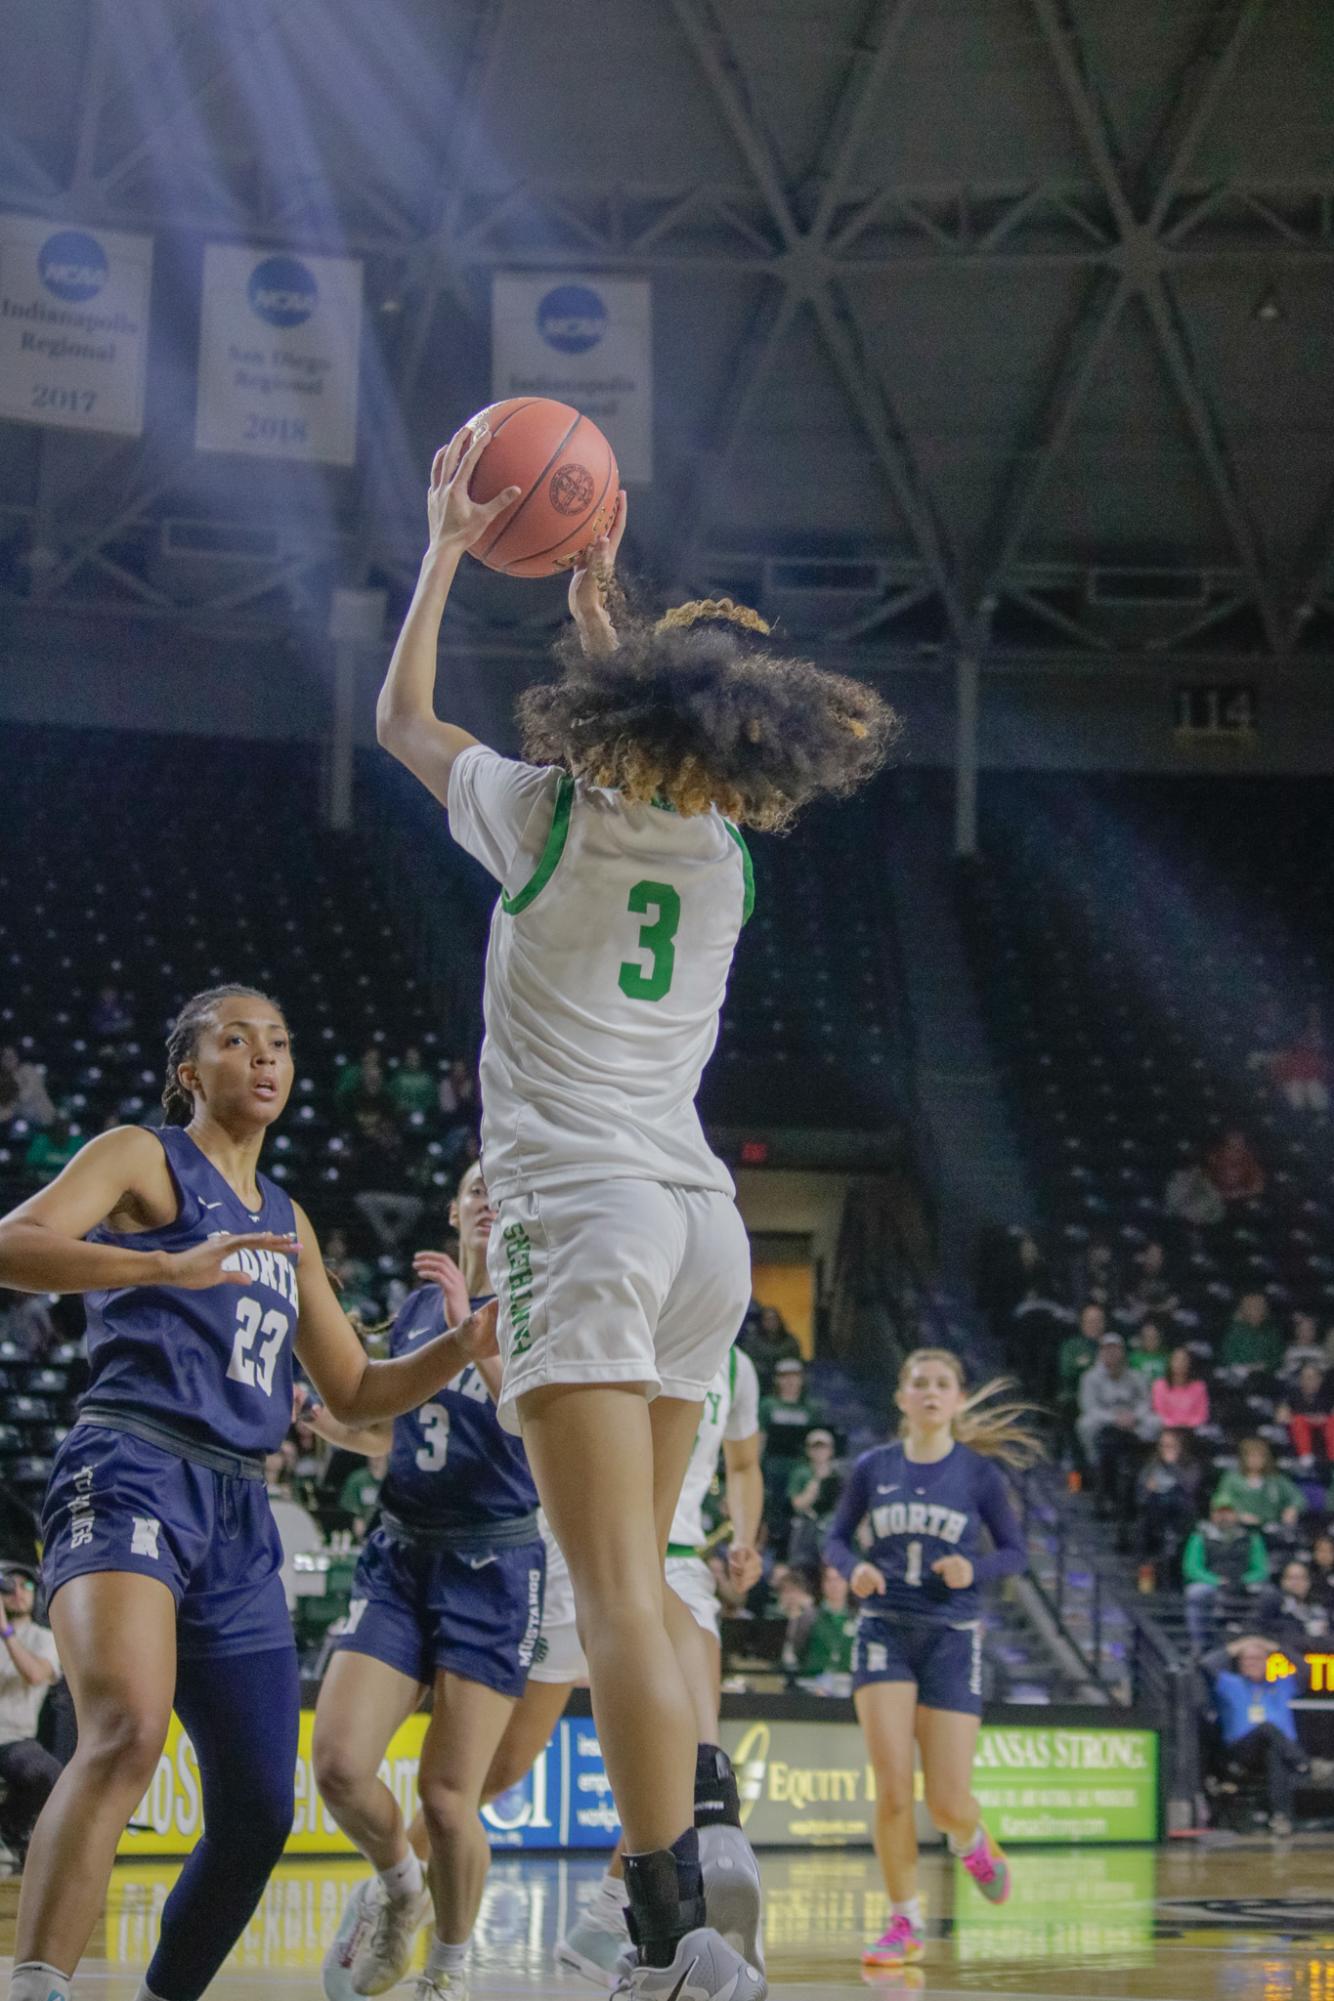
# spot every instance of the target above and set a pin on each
(656, 938)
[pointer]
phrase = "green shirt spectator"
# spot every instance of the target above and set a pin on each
(1148, 1357)
(351, 1079)
(1261, 1495)
(829, 1641)
(787, 1415)
(1254, 1338)
(50, 1149)
(412, 1086)
(361, 1490)
(1213, 1553)
(1080, 1350)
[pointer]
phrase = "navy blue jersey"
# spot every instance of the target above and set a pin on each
(918, 1514)
(214, 1365)
(450, 1463)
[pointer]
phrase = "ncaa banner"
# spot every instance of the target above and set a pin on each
(583, 341)
(73, 325)
(279, 347)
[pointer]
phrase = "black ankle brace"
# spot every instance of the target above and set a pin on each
(666, 1893)
(717, 1801)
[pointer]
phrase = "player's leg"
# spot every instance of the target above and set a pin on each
(885, 1710)
(531, 1727)
(467, 1724)
(242, 1715)
(375, 1681)
(948, 1741)
(948, 1718)
(116, 1634)
(362, 1702)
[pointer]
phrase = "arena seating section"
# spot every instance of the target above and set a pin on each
(1126, 935)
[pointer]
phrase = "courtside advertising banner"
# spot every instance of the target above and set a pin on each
(583, 341)
(73, 325)
(802, 1785)
(279, 349)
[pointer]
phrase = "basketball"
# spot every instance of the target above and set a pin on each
(569, 480)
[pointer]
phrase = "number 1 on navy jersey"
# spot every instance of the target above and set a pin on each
(658, 938)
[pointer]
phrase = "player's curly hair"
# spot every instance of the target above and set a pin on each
(696, 711)
(1000, 1430)
(183, 1043)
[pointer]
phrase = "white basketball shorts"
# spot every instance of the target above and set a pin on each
(559, 1657)
(617, 1281)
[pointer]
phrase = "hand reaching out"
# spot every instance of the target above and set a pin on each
(588, 586)
(197, 1269)
(438, 1268)
(456, 519)
(477, 1334)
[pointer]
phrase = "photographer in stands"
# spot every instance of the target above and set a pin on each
(28, 1666)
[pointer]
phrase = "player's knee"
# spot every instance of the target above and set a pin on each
(946, 1808)
(339, 1772)
(120, 1748)
(894, 1795)
(447, 1811)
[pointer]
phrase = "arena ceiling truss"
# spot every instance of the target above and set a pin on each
(1002, 328)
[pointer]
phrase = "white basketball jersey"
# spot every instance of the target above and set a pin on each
(732, 1411)
(606, 970)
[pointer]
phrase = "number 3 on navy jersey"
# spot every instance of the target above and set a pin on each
(434, 1421)
(658, 937)
(245, 1366)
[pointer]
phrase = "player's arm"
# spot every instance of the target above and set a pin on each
(406, 723)
(356, 1390)
(745, 1507)
(370, 1440)
(1009, 1555)
(41, 1242)
(589, 586)
(839, 1548)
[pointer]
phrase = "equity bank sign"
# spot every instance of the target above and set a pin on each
(802, 1785)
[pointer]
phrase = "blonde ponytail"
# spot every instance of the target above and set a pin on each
(998, 1430)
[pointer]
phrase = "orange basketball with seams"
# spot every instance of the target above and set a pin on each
(568, 478)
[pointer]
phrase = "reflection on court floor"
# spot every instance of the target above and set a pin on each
(1241, 1923)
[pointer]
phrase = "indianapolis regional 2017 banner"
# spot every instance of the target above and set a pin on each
(802, 1785)
(73, 325)
(279, 350)
(585, 341)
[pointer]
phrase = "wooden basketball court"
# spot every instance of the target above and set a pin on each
(1244, 1921)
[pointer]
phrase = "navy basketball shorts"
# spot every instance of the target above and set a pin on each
(119, 1503)
(475, 1613)
(945, 1661)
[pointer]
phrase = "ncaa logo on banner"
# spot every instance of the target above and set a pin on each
(572, 319)
(283, 292)
(73, 265)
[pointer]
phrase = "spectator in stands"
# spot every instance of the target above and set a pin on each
(795, 1591)
(378, 1161)
(412, 1087)
(457, 1094)
(364, 1082)
(1148, 1354)
(112, 1017)
(1234, 1169)
(826, 1656)
(1304, 1345)
(1291, 1613)
(51, 1148)
(765, 1338)
(1264, 1498)
(1322, 1570)
(785, 1419)
(1192, 1198)
(1224, 1563)
(1166, 1496)
(1256, 1722)
(1029, 1277)
(1180, 1398)
(360, 1495)
(1308, 1412)
(1095, 1275)
(1302, 1072)
(813, 1488)
(1152, 1294)
(29, 1664)
(1079, 1351)
(1254, 1339)
(23, 1092)
(1115, 1423)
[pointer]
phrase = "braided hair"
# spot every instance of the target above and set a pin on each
(183, 1043)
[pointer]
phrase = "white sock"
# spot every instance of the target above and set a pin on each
(912, 1911)
(447, 1958)
(611, 1892)
(35, 1980)
(405, 1879)
(975, 1840)
(146, 1994)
